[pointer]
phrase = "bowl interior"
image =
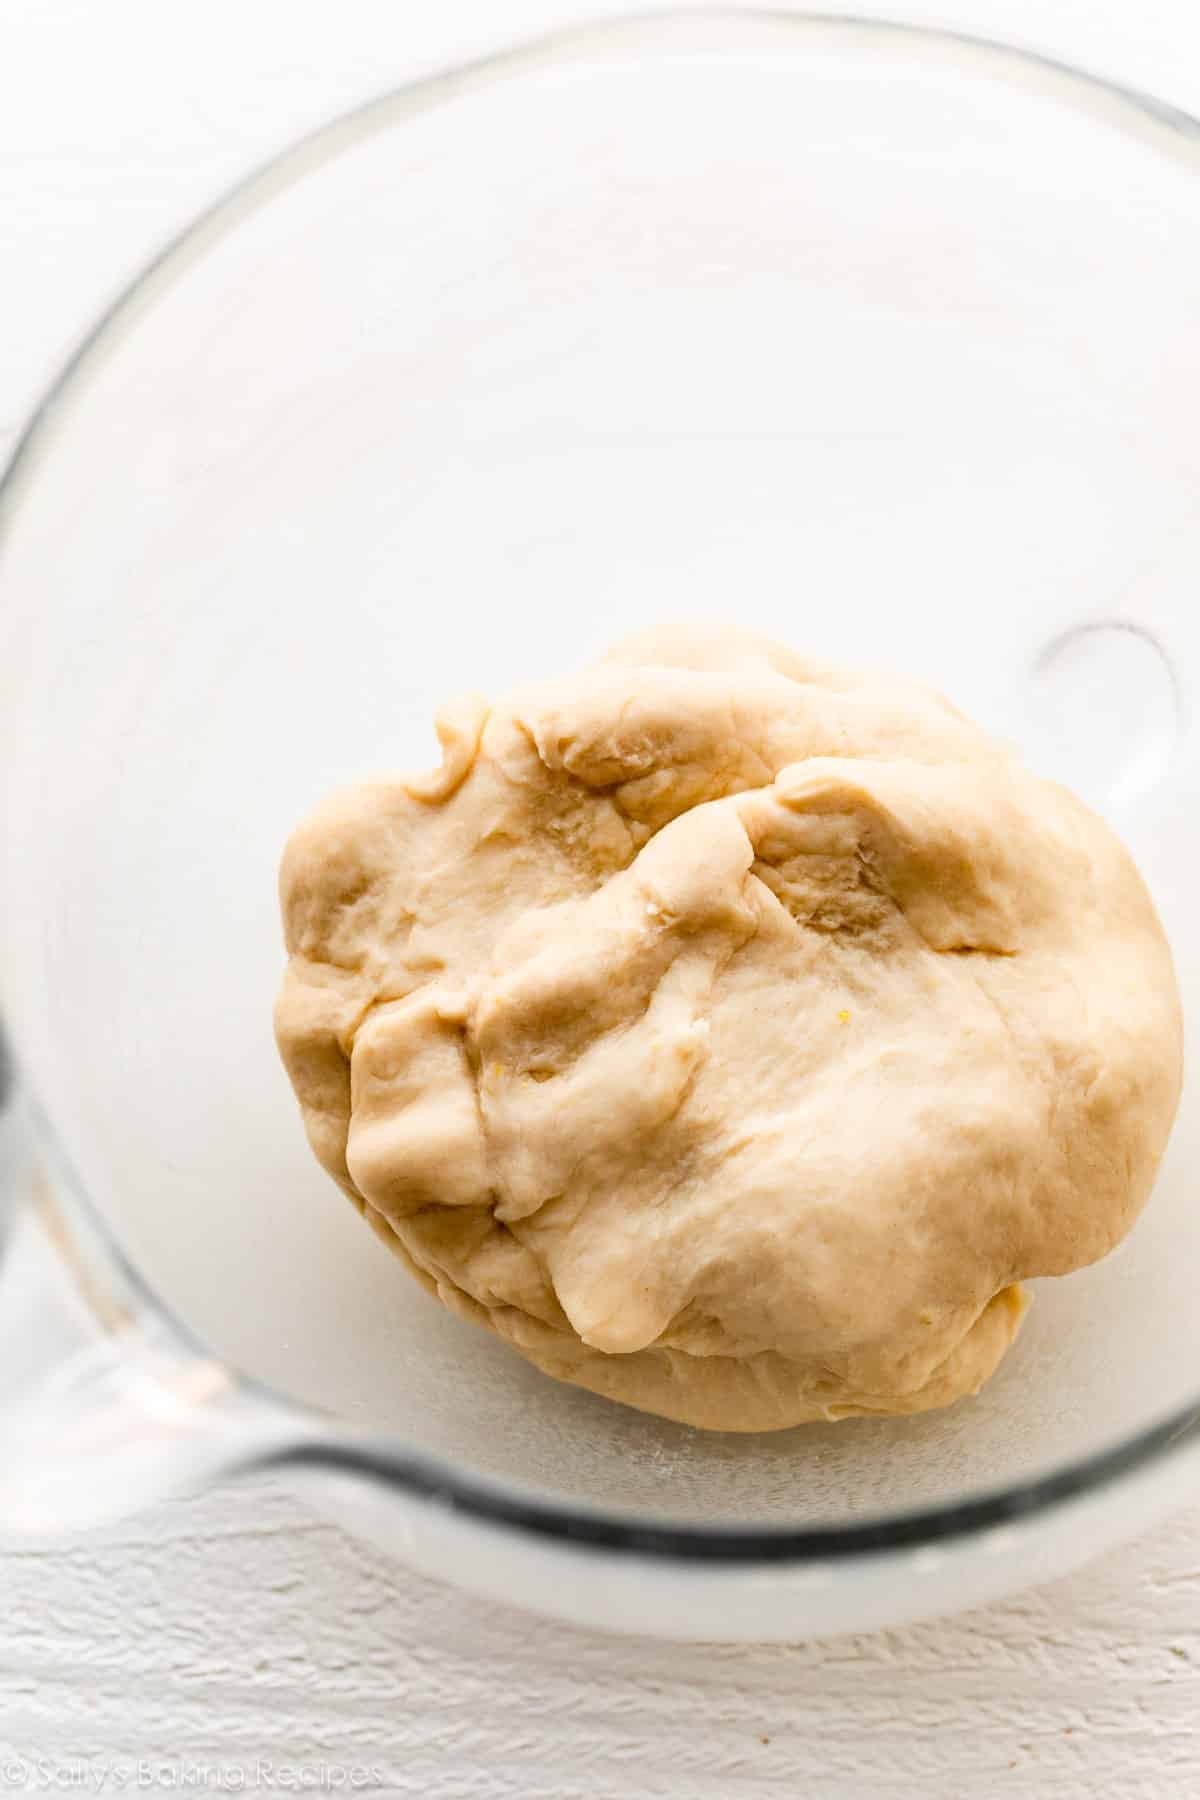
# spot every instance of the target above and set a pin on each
(876, 341)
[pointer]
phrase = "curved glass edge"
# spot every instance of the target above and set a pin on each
(742, 1544)
(384, 1460)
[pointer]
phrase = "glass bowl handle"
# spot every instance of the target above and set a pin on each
(105, 1404)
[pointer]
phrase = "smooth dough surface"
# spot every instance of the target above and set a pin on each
(729, 1032)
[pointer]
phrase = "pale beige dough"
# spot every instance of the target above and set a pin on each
(729, 1032)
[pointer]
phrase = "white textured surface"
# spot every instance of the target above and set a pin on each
(236, 1629)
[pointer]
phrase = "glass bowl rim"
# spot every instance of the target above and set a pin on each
(384, 1458)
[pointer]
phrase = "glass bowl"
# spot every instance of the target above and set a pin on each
(878, 339)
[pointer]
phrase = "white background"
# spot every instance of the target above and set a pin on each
(236, 1630)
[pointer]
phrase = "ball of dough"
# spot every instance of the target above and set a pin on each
(730, 1033)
